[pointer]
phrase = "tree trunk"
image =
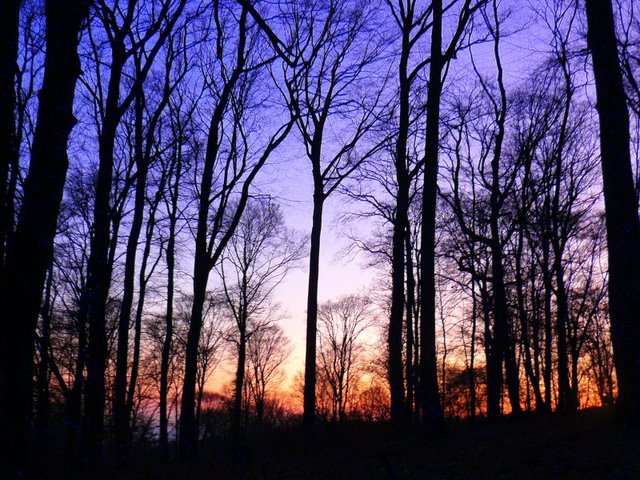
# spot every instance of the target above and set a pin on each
(623, 229)
(396, 383)
(30, 252)
(410, 308)
(548, 335)
(73, 406)
(565, 401)
(168, 338)
(472, 360)
(188, 426)
(120, 413)
(493, 359)
(143, 280)
(524, 320)
(203, 261)
(429, 398)
(43, 407)
(9, 148)
(309, 414)
(502, 334)
(99, 267)
(237, 400)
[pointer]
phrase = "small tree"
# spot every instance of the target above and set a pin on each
(267, 350)
(257, 259)
(342, 324)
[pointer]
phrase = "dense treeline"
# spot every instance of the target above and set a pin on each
(144, 247)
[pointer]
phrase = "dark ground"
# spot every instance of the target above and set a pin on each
(586, 445)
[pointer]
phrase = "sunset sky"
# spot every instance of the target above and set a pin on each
(342, 274)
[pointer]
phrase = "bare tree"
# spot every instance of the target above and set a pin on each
(127, 39)
(257, 259)
(183, 150)
(9, 151)
(342, 324)
(621, 204)
(231, 164)
(333, 51)
(439, 59)
(30, 251)
(413, 24)
(267, 350)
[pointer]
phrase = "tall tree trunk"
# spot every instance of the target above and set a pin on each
(548, 330)
(30, 252)
(166, 344)
(429, 397)
(143, 281)
(188, 426)
(73, 406)
(535, 330)
(524, 319)
(168, 338)
(400, 224)
(623, 229)
(309, 414)
(204, 260)
(99, 267)
(42, 389)
(410, 308)
(240, 369)
(120, 414)
(188, 439)
(502, 333)
(472, 355)
(565, 401)
(9, 148)
(493, 359)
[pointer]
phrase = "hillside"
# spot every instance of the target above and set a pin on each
(582, 446)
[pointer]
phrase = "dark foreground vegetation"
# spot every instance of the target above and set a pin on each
(585, 445)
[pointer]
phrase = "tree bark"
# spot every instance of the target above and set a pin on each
(410, 308)
(9, 148)
(43, 407)
(396, 382)
(309, 414)
(429, 398)
(621, 207)
(99, 267)
(171, 265)
(502, 334)
(548, 330)
(204, 259)
(120, 413)
(30, 251)
(524, 319)
(240, 369)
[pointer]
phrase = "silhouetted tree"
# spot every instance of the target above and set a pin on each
(621, 205)
(342, 323)
(439, 59)
(30, 251)
(230, 166)
(257, 259)
(267, 350)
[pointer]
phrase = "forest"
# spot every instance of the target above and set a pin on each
(319, 238)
